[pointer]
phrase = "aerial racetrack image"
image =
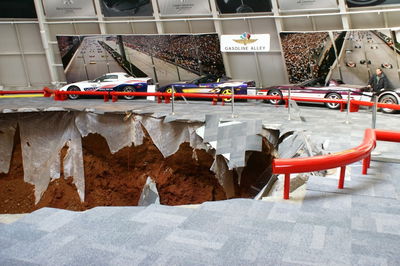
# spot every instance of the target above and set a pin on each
(365, 51)
(351, 57)
(165, 58)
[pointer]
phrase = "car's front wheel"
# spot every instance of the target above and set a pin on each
(333, 96)
(227, 92)
(277, 93)
(169, 90)
(73, 96)
(389, 99)
(129, 89)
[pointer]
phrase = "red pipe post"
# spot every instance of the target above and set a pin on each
(286, 188)
(342, 176)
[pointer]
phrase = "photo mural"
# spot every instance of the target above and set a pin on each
(243, 6)
(165, 58)
(124, 8)
(17, 9)
(362, 3)
(351, 56)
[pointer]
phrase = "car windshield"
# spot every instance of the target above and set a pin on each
(310, 83)
(100, 79)
(106, 77)
(205, 79)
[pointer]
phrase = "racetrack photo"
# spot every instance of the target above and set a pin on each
(164, 58)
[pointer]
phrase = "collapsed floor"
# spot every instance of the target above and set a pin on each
(117, 179)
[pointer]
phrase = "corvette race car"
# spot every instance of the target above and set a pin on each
(210, 84)
(118, 81)
(335, 89)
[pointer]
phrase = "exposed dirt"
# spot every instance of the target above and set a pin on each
(117, 179)
(16, 196)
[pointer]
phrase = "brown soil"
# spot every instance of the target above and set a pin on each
(16, 196)
(117, 179)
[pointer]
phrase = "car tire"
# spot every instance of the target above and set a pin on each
(390, 99)
(226, 91)
(73, 96)
(129, 89)
(275, 92)
(169, 90)
(333, 96)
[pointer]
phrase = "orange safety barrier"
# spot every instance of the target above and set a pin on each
(339, 159)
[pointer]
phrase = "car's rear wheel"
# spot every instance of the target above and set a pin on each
(277, 93)
(389, 99)
(227, 92)
(129, 89)
(73, 96)
(333, 96)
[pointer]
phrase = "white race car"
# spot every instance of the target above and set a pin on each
(118, 81)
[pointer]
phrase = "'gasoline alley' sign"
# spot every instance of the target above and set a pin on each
(245, 43)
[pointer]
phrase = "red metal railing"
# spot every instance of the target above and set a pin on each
(62, 95)
(339, 159)
(21, 92)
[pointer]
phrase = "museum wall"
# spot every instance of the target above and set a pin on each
(25, 61)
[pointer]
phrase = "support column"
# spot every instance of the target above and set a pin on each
(219, 31)
(345, 18)
(279, 29)
(48, 49)
(100, 17)
(159, 25)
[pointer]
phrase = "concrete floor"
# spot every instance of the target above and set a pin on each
(359, 225)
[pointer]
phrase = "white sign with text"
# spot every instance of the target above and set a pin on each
(245, 43)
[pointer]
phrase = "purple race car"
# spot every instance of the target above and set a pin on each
(335, 89)
(211, 84)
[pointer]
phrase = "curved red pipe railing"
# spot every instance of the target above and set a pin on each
(339, 159)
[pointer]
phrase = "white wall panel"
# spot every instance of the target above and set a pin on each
(366, 21)
(393, 19)
(297, 24)
(30, 38)
(145, 27)
(88, 28)
(272, 68)
(243, 66)
(176, 26)
(119, 28)
(202, 26)
(235, 26)
(8, 40)
(328, 23)
(12, 71)
(38, 69)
